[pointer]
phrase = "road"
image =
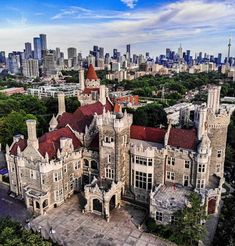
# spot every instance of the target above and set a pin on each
(11, 207)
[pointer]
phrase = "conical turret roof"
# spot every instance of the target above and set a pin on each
(91, 74)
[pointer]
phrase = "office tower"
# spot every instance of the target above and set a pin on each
(107, 58)
(188, 56)
(13, 63)
(49, 64)
(128, 52)
(72, 52)
(57, 53)
(114, 53)
(180, 52)
(219, 60)
(37, 48)
(168, 53)
(95, 48)
(147, 54)
(30, 68)
(43, 40)
(101, 52)
(135, 59)
(28, 51)
(2, 57)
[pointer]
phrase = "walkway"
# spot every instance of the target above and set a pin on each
(71, 227)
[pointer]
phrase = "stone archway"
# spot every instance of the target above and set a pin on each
(37, 205)
(97, 205)
(112, 203)
(45, 203)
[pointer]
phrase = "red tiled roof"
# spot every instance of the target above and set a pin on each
(50, 142)
(117, 108)
(183, 138)
(22, 143)
(83, 116)
(88, 91)
(149, 134)
(91, 74)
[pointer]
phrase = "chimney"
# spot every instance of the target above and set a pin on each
(103, 94)
(61, 103)
(81, 79)
(213, 100)
(32, 133)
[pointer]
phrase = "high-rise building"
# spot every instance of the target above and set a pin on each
(30, 68)
(28, 51)
(128, 52)
(72, 52)
(168, 53)
(219, 60)
(13, 63)
(2, 57)
(37, 48)
(115, 53)
(43, 39)
(101, 52)
(180, 52)
(49, 64)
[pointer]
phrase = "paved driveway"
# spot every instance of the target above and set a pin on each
(75, 228)
(10, 206)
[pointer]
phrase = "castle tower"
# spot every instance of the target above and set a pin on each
(92, 81)
(114, 138)
(61, 103)
(213, 100)
(32, 133)
(102, 94)
(81, 79)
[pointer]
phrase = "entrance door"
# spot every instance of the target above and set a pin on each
(211, 205)
(112, 203)
(97, 206)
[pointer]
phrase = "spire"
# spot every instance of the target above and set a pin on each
(91, 74)
(53, 123)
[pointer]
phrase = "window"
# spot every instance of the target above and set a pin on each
(33, 174)
(57, 176)
(149, 181)
(109, 173)
(200, 183)
(150, 162)
(170, 175)
(159, 216)
(109, 158)
(12, 168)
(219, 153)
(141, 160)
(76, 165)
(171, 161)
(106, 139)
(140, 180)
(111, 140)
(58, 195)
(71, 176)
(218, 168)
(65, 168)
(86, 163)
(172, 219)
(201, 168)
(186, 180)
(66, 186)
(187, 164)
(94, 165)
(42, 179)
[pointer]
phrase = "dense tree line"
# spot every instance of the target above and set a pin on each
(13, 234)
(16, 109)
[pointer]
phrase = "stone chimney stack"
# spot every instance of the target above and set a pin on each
(103, 94)
(61, 103)
(32, 133)
(213, 100)
(81, 79)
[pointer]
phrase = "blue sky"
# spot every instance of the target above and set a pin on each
(148, 25)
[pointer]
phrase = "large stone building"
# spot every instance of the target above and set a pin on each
(100, 150)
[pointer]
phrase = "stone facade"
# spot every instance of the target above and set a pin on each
(100, 151)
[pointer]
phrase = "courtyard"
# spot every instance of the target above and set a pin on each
(70, 227)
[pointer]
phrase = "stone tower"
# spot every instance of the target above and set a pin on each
(81, 79)
(217, 125)
(114, 138)
(32, 133)
(61, 103)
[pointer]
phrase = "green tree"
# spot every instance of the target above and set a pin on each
(187, 228)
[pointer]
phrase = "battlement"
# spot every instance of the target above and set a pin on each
(114, 120)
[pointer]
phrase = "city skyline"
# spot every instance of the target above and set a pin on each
(147, 25)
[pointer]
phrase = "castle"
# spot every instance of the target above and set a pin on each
(98, 149)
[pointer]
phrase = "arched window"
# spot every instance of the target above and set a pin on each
(94, 164)
(86, 163)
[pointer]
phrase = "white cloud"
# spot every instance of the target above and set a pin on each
(199, 24)
(130, 3)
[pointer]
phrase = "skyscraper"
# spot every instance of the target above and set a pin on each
(28, 50)
(30, 68)
(37, 48)
(128, 52)
(2, 57)
(43, 39)
(168, 53)
(72, 52)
